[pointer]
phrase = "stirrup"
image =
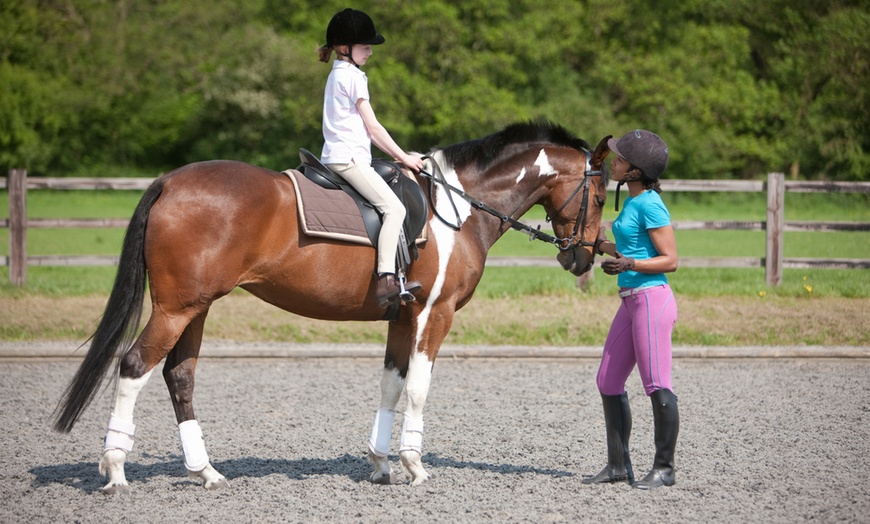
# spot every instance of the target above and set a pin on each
(404, 294)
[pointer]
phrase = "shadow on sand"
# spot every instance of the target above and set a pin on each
(84, 475)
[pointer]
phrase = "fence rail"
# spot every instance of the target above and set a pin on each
(776, 186)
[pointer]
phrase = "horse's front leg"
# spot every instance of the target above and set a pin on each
(382, 428)
(178, 372)
(417, 388)
(412, 345)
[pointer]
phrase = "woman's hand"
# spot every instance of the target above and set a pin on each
(620, 264)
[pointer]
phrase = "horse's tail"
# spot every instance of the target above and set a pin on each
(120, 320)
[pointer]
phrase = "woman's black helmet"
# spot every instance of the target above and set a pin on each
(349, 27)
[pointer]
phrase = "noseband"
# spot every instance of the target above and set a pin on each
(564, 244)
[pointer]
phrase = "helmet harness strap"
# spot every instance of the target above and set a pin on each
(348, 55)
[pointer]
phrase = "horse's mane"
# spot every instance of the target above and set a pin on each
(489, 149)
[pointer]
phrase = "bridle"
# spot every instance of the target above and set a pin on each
(564, 244)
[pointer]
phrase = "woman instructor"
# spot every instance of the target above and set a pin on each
(640, 334)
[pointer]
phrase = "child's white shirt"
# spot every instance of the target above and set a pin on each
(345, 135)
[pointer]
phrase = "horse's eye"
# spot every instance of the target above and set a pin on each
(600, 201)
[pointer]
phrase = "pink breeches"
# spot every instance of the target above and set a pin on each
(640, 335)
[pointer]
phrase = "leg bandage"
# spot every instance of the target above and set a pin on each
(195, 456)
(382, 432)
(412, 435)
(119, 434)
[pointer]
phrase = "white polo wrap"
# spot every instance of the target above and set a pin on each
(382, 432)
(195, 456)
(119, 434)
(412, 435)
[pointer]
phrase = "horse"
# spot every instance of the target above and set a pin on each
(206, 228)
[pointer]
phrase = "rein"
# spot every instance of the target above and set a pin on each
(564, 244)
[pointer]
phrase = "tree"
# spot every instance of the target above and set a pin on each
(736, 87)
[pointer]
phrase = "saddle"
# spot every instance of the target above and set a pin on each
(331, 207)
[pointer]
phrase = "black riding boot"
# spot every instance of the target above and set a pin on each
(667, 426)
(617, 418)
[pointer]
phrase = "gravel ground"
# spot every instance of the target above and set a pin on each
(508, 440)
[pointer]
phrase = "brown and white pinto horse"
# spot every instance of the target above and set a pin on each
(207, 228)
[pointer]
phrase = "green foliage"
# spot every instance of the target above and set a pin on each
(736, 87)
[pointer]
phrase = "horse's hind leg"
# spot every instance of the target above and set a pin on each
(119, 435)
(135, 369)
(178, 372)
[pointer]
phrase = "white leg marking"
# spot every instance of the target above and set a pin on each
(417, 388)
(382, 428)
(127, 393)
(544, 167)
(112, 465)
(119, 435)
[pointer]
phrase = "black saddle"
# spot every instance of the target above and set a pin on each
(408, 191)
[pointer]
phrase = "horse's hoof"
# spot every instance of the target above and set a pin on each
(382, 474)
(420, 479)
(116, 489)
(380, 478)
(209, 477)
(411, 461)
(221, 483)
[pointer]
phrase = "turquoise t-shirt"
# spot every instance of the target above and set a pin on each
(630, 232)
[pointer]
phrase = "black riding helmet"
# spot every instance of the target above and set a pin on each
(644, 150)
(349, 27)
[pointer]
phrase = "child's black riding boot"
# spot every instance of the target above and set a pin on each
(388, 289)
(617, 418)
(667, 426)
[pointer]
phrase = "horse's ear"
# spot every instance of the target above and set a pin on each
(601, 151)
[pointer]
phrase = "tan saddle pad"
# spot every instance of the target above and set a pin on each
(327, 213)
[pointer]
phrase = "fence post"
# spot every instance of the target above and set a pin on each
(17, 226)
(775, 228)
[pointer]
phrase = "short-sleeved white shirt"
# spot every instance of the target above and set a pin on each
(344, 132)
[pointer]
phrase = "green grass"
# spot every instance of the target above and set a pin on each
(503, 282)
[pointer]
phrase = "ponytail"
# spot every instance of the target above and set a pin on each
(324, 53)
(654, 185)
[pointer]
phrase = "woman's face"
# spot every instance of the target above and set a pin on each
(618, 167)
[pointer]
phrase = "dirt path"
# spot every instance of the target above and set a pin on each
(508, 440)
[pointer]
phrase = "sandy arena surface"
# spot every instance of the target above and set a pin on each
(507, 440)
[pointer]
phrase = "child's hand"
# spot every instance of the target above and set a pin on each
(412, 162)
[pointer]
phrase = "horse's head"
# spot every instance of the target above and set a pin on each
(523, 165)
(575, 204)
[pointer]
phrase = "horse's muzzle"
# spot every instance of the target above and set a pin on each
(577, 260)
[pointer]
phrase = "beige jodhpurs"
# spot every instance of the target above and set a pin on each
(372, 187)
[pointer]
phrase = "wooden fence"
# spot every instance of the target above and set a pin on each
(775, 225)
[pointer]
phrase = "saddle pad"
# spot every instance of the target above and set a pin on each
(327, 213)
